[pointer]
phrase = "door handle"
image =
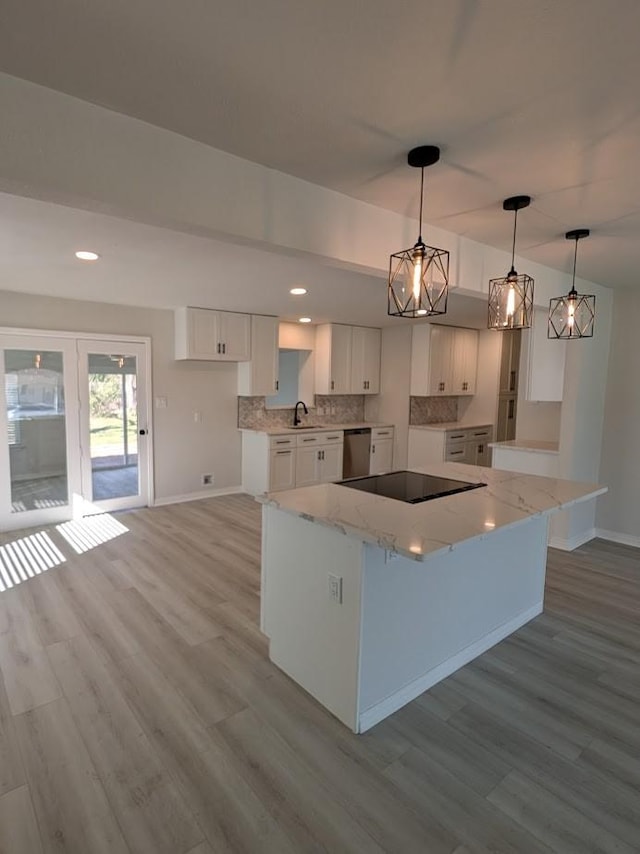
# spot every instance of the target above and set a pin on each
(142, 432)
(224, 348)
(332, 385)
(219, 350)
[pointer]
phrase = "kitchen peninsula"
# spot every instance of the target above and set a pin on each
(368, 601)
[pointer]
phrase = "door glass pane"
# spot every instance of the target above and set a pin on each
(113, 425)
(34, 391)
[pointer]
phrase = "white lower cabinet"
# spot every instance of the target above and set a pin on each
(469, 445)
(307, 466)
(272, 463)
(320, 462)
(381, 456)
(282, 469)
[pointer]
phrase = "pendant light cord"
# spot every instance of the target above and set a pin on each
(575, 261)
(513, 245)
(421, 201)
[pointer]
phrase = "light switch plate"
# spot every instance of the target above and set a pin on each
(335, 588)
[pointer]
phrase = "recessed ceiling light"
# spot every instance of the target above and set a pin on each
(84, 255)
(298, 292)
(305, 320)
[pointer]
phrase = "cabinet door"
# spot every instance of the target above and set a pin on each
(307, 466)
(365, 360)
(506, 421)
(234, 331)
(202, 333)
(482, 453)
(259, 376)
(340, 373)
(282, 469)
(441, 361)
(465, 361)
(510, 360)
(381, 456)
(331, 463)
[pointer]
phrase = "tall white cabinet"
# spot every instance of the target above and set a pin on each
(541, 361)
(259, 376)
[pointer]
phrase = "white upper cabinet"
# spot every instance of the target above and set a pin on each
(541, 361)
(365, 360)
(260, 375)
(220, 336)
(441, 361)
(347, 359)
(465, 361)
(444, 361)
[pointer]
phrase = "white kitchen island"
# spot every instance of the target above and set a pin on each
(368, 601)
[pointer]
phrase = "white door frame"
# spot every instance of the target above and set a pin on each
(138, 349)
(22, 338)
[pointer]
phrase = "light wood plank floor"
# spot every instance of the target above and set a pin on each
(139, 711)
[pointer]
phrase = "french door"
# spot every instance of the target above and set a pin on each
(75, 416)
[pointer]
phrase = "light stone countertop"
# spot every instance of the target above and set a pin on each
(419, 530)
(535, 446)
(451, 425)
(319, 428)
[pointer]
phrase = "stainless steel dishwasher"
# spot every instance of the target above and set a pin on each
(357, 448)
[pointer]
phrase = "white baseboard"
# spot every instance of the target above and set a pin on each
(197, 496)
(389, 705)
(615, 537)
(574, 542)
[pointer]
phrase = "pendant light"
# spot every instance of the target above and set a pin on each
(419, 277)
(572, 316)
(511, 298)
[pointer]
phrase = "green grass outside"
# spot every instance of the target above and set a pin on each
(107, 430)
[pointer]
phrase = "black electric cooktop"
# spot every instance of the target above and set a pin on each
(410, 486)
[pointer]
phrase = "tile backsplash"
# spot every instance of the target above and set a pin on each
(327, 409)
(433, 410)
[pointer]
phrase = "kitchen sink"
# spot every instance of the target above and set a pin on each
(308, 427)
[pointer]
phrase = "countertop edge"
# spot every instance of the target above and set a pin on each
(387, 544)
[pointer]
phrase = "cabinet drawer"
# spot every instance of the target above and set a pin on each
(482, 433)
(455, 437)
(456, 454)
(329, 438)
(382, 432)
(332, 438)
(277, 442)
(306, 439)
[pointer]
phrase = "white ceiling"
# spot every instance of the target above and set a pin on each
(533, 96)
(149, 266)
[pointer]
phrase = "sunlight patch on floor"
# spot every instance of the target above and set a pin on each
(27, 557)
(91, 531)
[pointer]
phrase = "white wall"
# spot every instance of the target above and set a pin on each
(582, 421)
(619, 510)
(183, 449)
(538, 420)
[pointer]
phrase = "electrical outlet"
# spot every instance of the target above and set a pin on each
(207, 480)
(335, 588)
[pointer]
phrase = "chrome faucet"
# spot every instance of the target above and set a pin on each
(296, 418)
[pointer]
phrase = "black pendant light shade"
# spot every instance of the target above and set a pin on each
(572, 316)
(511, 298)
(419, 276)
